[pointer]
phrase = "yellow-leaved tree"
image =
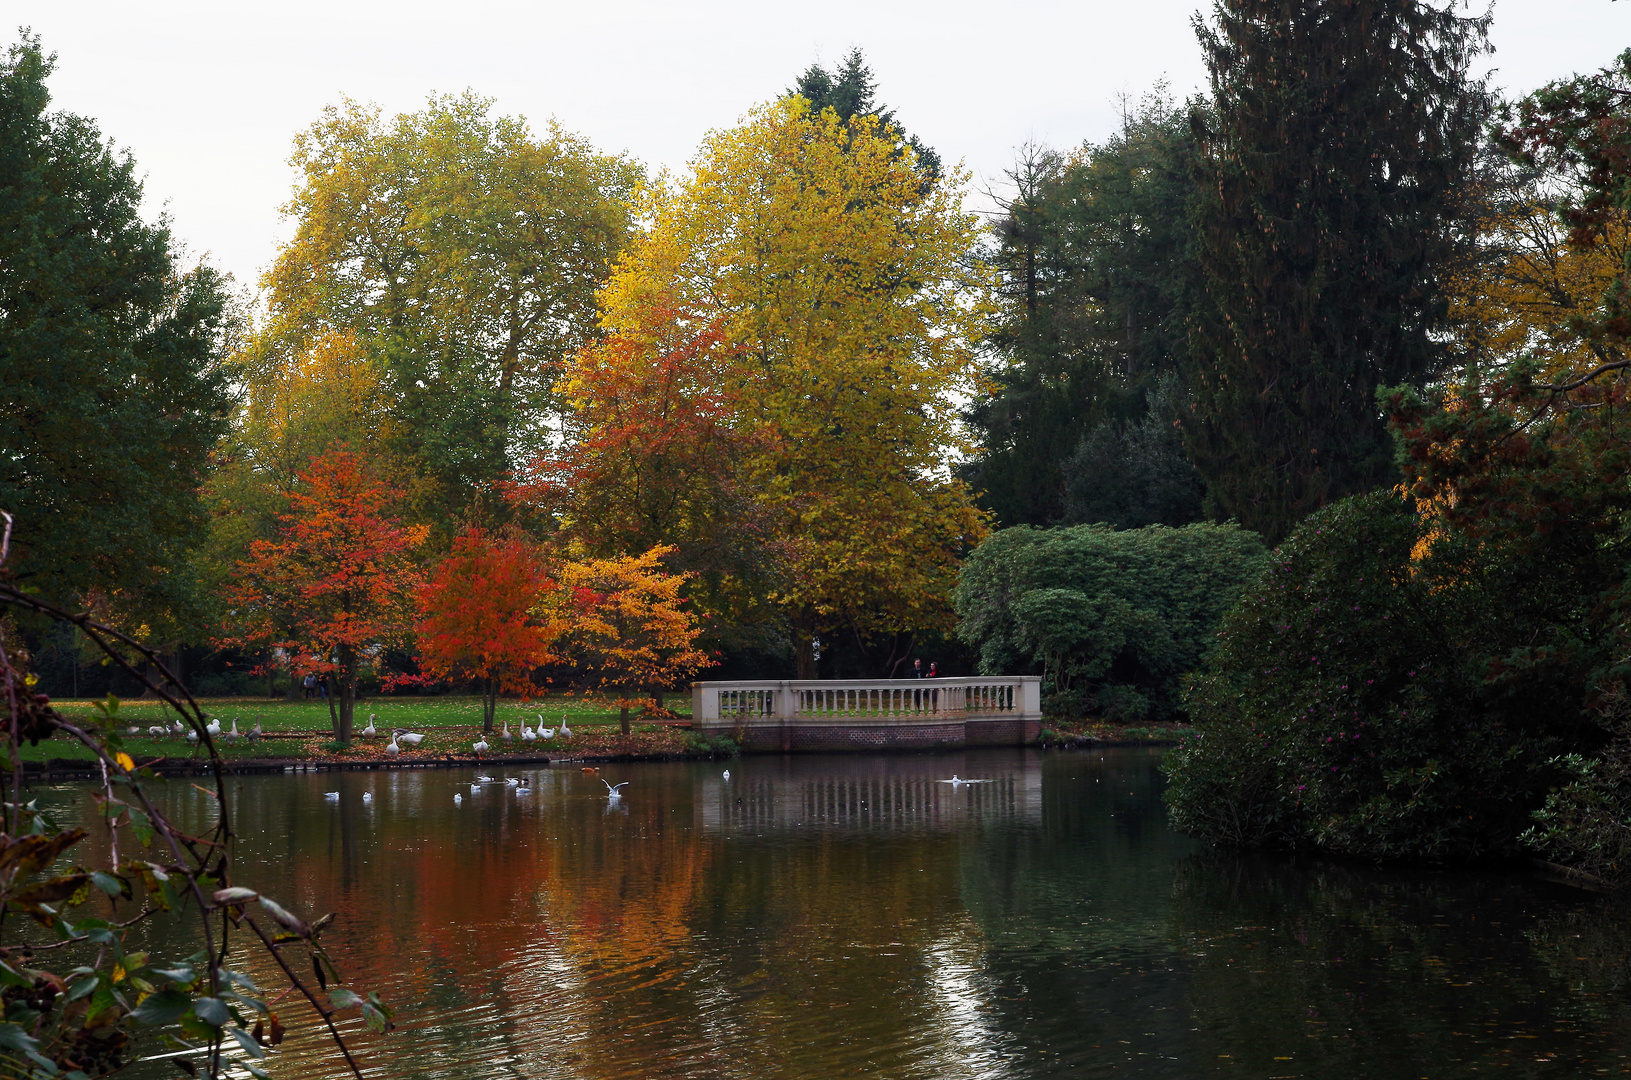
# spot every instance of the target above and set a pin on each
(626, 628)
(834, 279)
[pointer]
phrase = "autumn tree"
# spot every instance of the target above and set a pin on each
(1334, 165)
(846, 311)
(337, 584)
(627, 628)
(479, 616)
(458, 255)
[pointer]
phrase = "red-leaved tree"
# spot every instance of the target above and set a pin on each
(338, 582)
(477, 617)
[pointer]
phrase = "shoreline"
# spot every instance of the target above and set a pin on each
(82, 769)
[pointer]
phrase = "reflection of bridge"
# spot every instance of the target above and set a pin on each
(900, 791)
(842, 714)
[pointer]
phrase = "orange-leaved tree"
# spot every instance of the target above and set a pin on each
(654, 455)
(626, 627)
(338, 581)
(480, 616)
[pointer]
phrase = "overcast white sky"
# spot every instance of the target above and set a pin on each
(208, 95)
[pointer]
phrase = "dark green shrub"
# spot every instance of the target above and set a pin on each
(1386, 694)
(1111, 619)
(715, 746)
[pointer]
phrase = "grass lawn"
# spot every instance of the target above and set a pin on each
(300, 729)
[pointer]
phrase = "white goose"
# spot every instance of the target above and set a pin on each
(368, 796)
(369, 732)
(392, 748)
(727, 776)
(233, 736)
(458, 800)
(507, 737)
(408, 738)
(546, 734)
(479, 746)
(527, 734)
(482, 780)
(158, 731)
(566, 732)
(213, 727)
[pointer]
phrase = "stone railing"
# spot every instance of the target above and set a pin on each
(826, 709)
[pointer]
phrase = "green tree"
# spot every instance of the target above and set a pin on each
(1093, 252)
(457, 256)
(1111, 619)
(1132, 473)
(1334, 180)
(110, 359)
(851, 90)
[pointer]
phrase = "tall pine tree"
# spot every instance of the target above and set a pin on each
(1333, 169)
(1093, 252)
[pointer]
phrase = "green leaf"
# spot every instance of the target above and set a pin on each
(341, 998)
(165, 1007)
(247, 1041)
(373, 1018)
(181, 973)
(13, 1037)
(82, 987)
(9, 977)
(213, 1011)
(109, 884)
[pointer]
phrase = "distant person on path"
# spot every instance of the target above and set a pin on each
(309, 684)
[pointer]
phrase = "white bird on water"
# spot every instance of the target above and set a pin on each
(369, 732)
(727, 776)
(458, 800)
(614, 793)
(331, 794)
(368, 796)
(392, 748)
(512, 781)
(957, 781)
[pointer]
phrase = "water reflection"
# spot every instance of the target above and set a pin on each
(851, 916)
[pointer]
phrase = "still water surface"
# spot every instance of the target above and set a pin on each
(819, 917)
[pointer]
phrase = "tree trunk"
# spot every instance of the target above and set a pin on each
(489, 704)
(623, 720)
(348, 690)
(804, 648)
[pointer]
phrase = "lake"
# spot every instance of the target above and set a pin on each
(836, 916)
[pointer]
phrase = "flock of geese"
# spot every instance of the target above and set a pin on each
(180, 730)
(400, 737)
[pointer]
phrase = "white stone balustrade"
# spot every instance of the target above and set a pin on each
(834, 712)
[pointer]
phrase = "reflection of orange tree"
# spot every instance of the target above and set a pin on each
(627, 628)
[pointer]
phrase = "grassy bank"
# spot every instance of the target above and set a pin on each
(300, 729)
